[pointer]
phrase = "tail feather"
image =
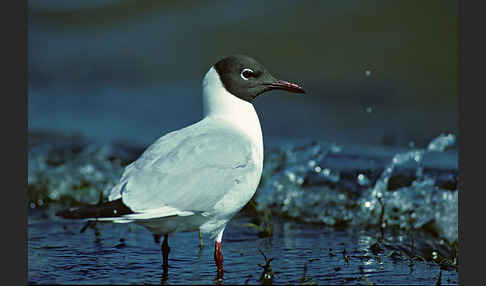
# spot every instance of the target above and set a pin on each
(114, 208)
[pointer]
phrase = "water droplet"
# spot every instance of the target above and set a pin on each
(367, 204)
(88, 169)
(333, 176)
(54, 195)
(291, 176)
(367, 72)
(363, 180)
(326, 172)
(369, 109)
(317, 169)
(434, 255)
(417, 157)
(335, 148)
(442, 142)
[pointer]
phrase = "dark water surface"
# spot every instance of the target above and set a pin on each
(302, 253)
(375, 72)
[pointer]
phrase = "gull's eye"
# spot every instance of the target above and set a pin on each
(247, 73)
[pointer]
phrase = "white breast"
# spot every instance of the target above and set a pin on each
(222, 105)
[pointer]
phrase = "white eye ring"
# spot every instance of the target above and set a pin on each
(245, 70)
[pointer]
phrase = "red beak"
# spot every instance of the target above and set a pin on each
(288, 86)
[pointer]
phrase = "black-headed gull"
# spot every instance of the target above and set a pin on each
(197, 178)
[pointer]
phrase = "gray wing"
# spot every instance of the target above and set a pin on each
(189, 170)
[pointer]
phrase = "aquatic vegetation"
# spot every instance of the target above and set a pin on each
(260, 220)
(266, 277)
(306, 280)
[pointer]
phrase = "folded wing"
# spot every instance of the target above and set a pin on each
(190, 170)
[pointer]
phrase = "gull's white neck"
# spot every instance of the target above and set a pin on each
(219, 103)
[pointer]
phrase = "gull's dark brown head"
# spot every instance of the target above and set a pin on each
(246, 78)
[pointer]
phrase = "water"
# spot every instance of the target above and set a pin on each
(314, 196)
(105, 72)
(58, 253)
(347, 183)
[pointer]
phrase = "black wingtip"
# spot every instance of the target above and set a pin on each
(71, 213)
(114, 208)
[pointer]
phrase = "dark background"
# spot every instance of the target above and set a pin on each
(131, 70)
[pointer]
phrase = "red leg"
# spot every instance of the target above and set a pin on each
(218, 258)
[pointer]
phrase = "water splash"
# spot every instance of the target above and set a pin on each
(442, 142)
(335, 186)
(438, 207)
(59, 175)
(315, 182)
(438, 144)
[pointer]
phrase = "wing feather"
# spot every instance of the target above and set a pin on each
(188, 170)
